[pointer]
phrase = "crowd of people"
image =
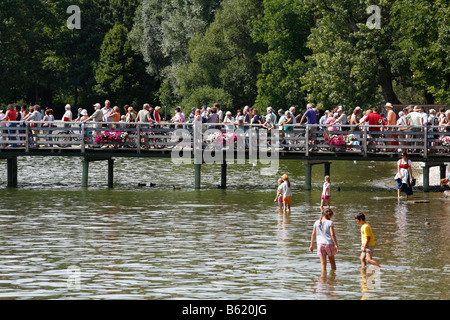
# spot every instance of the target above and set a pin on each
(214, 117)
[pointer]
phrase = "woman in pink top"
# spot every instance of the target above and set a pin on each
(331, 121)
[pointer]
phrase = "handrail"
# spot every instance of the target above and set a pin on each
(299, 137)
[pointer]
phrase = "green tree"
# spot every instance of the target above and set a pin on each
(161, 33)
(224, 57)
(120, 72)
(425, 40)
(352, 64)
(21, 42)
(284, 29)
(208, 96)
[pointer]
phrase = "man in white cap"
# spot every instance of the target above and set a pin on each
(97, 117)
(67, 117)
(342, 119)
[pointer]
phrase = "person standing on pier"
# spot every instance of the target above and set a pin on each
(97, 117)
(11, 115)
(107, 110)
(391, 120)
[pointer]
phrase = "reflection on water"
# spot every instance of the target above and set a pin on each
(60, 241)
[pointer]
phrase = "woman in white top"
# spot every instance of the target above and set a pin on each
(404, 176)
(228, 121)
(327, 244)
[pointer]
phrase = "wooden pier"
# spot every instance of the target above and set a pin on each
(309, 143)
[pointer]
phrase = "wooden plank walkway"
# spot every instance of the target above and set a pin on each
(309, 143)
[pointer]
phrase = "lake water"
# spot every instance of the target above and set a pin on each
(60, 241)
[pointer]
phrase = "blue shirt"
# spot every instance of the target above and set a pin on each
(310, 116)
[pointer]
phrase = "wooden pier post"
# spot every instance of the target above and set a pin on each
(223, 176)
(12, 172)
(110, 173)
(198, 171)
(426, 178)
(308, 170)
(85, 174)
(326, 168)
(443, 171)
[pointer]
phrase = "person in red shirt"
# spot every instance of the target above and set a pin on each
(374, 119)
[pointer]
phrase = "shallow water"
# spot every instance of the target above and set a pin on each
(60, 241)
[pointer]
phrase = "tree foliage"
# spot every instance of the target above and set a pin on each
(224, 57)
(283, 29)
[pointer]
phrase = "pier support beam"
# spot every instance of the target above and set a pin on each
(12, 172)
(110, 173)
(426, 179)
(198, 171)
(326, 168)
(443, 171)
(85, 174)
(223, 176)
(308, 171)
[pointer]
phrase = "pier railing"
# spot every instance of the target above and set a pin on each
(295, 138)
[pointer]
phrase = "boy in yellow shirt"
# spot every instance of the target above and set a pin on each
(367, 241)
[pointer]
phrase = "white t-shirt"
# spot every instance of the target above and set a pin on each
(323, 233)
(326, 189)
(285, 190)
(68, 115)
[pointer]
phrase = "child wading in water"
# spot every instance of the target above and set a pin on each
(367, 241)
(326, 192)
(326, 239)
(285, 189)
(279, 197)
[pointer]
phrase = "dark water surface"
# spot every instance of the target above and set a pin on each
(60, 241)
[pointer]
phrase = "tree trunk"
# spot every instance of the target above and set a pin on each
(429, 98)
(385, 78)
(75, 98)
